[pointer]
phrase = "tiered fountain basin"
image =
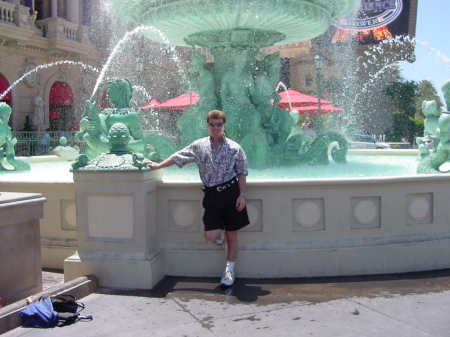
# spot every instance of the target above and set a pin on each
(300, 227)
(222, 23)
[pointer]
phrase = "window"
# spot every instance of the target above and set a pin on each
(39, 8)
(87, 10)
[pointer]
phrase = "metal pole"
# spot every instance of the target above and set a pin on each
(319, 108)
(318, 62)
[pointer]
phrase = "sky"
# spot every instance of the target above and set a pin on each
(433, 44)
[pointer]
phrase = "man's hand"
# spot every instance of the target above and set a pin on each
(240, 203)
(153, 165)
(165, 163)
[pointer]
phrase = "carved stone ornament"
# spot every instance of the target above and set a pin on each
(62, 74)
(123, 162)
(32, 79)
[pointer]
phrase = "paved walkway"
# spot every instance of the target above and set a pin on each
(398, 305)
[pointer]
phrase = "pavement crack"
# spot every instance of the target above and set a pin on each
(388, 316)
(204, 323)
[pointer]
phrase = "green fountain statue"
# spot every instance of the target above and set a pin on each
(432, 163)
(7, 142)
(95, 127)
(240, 83)
(192, 123)
(119, 158)
(432, 114)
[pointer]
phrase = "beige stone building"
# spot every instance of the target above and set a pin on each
(52, 54)
(44, 49)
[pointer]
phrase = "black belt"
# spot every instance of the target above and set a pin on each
(220, 187)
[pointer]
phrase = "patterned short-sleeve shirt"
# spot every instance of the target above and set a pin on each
(216, 166)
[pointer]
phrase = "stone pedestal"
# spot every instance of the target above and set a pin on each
(117, 229)
(20, 245)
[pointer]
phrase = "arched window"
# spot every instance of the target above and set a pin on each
(308, 80)
(4, 85)
(61, 94)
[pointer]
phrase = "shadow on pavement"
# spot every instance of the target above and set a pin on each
(318, 289)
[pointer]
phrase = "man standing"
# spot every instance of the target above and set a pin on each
(223, 170)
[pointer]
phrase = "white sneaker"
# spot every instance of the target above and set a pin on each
(227, 278)
(220, 240)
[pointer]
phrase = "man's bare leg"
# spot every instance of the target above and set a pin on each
(232, 251)
(211, 236)
(232, 245)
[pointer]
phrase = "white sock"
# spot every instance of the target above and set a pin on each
(230, 266)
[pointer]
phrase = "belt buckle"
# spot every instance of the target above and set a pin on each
(222, 187)
(225, 186)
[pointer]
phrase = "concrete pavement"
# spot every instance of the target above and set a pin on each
(394, 305)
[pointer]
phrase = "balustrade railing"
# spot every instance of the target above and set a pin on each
(59, 28)
(52, 27)
(35, 143)
(7, 12)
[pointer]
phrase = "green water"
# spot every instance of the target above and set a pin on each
(358, 166)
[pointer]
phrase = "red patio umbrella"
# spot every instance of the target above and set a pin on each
(298, 99)
(181, 102)
(314, 109)
(154, 103)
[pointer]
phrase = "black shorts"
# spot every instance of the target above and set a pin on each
(219, 203)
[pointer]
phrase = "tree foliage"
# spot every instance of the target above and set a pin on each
(403, 96)
(405, 126)
(426, 92)
(407, 98)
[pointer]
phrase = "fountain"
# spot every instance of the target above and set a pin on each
(300, 226)
(431, 163)
(7, 142)
(234, 33)
(95, 126)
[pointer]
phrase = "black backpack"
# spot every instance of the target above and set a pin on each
(65, 303)
(67, 309)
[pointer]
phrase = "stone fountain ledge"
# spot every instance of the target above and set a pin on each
(59, 226)
(46, 159)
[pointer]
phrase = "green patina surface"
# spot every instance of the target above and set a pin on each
(98, 130)
(439, 134)
(7, 142)
(241, 83)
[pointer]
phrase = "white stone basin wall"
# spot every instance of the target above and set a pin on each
(299, 228)
(302, 228)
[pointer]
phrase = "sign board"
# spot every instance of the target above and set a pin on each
(375, 21)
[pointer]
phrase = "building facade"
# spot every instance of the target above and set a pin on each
(45, 47)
